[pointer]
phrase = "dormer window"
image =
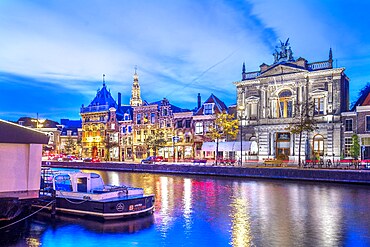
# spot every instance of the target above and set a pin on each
(126, 117)
(208, 108)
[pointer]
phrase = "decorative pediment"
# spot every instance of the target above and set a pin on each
(319, 92)
(281, 69)
(252, 99)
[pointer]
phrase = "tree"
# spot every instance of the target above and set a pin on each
(109, 144)
(355, 148)
(69, 145)
(304, 122)
(155, 141)
(224, 125)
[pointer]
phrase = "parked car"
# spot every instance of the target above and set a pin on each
(93, 160)
(152, 160)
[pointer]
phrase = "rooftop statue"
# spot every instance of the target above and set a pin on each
(285, 53)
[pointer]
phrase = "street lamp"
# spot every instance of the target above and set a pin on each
(241, 118)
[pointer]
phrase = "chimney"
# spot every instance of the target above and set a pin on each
(119, 100)
(199, 101)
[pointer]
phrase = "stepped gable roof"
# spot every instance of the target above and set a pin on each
(104, 97)
(219, 105)
(14, 133)
(175, 109)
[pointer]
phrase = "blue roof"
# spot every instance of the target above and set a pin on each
(103, 97)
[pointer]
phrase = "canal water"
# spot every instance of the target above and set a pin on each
(214, 211)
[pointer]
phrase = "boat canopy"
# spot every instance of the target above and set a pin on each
(230, 146)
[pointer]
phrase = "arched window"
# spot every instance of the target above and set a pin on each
(318, 145)
(285, 104)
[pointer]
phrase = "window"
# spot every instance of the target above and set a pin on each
(126, 117)
(348, 125)
(129, 129)
(207, 126)
(347, 146)
(138, 135)
(123, 130)
(138, 119)
(152, 117)
(367, 123)
(187, 123)
(199, 128)
(285, 105)
(179, 124)
(145, 118)
(318, 145)
(164, 112)
(112, 126)
(208, 109)
(319, 106)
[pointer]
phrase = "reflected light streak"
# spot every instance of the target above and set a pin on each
(114, 178)
(164, 205)
(328, 218)
(187, 202)
(240, 219)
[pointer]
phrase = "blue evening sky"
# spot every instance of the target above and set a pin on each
(53, 52)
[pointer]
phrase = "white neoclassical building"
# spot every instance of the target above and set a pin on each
(267, 105)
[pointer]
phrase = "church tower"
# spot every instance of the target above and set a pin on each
(135, 93)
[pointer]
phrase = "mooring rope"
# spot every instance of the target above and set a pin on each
(68, 200)
(15, 222)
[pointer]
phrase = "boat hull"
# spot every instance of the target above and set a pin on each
(107, 209)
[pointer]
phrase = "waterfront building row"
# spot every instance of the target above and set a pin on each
(269, 101)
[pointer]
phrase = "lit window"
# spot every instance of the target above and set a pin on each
(285, 105)
(199, 128)
(347, 146)
(318, 145)
(348, 125)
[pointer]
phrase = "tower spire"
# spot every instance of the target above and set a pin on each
(103, 80)
(331, 57)
(243, 72)
(135, 92)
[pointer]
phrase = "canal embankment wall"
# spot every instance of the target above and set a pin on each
(323, 175)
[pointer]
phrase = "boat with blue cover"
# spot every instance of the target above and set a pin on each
(85, 194)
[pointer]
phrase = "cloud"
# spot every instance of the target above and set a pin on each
(180, 47)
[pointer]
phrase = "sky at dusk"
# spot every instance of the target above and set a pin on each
(53, 53)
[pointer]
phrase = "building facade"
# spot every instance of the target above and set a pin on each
(272, 99)
(100, 130)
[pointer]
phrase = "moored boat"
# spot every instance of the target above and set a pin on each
(86, 194)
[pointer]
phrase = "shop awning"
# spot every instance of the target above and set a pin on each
(229, 146)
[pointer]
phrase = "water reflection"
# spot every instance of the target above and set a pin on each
(202, 211)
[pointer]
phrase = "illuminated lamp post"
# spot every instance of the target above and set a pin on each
(241, 118)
